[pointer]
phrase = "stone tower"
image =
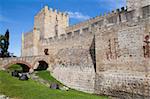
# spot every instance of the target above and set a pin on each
(50, 23)
(135, 4)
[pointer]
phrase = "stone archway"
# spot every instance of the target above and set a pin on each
(41, 64)
(26, 67)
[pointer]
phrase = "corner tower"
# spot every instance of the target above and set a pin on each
(50, 23)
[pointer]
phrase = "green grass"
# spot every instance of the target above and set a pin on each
(30, 89)
(14, 67)
(46, 76)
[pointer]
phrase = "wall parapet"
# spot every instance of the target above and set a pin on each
(64, 37)
(115, 17)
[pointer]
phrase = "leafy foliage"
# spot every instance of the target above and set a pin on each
(4, 44)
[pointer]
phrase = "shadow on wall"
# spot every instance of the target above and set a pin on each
(93, 52)
(42, 66)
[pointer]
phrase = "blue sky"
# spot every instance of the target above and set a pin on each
(18, 15)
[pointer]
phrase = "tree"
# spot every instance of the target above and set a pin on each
(4, 44)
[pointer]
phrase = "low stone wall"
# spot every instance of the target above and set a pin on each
(78, 78)
(74, 68)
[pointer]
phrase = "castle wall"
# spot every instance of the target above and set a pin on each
(39, 23)
(135, 4)
(76, 77)
(119, 54)
(27, 49)
(48, 23)
(73, 64)
(103, 55)
(73, 70)
(122, 68)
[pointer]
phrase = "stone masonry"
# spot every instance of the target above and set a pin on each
(32, 62)
(107, 54)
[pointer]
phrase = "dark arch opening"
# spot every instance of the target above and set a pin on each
(42, 66)
(19, 67)
(25, 68)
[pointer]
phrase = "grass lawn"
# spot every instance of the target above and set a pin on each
(30, 89)
(15, 67)
(46, 76)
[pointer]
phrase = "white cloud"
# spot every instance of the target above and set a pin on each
(78, 15)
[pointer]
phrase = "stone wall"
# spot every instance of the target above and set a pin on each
(122, 69)
(31, 61)
(134, 4)
(76, 77)
(123, 84)
(27, 48)
(73, 64)
(75, 71)
(50, 22)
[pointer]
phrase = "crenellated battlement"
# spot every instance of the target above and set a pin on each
(51, 22)
(52, 25)
(46, 9)
(96, 19)
(65, 37)
(117, 17)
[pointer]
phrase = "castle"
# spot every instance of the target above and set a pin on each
(107, 54)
